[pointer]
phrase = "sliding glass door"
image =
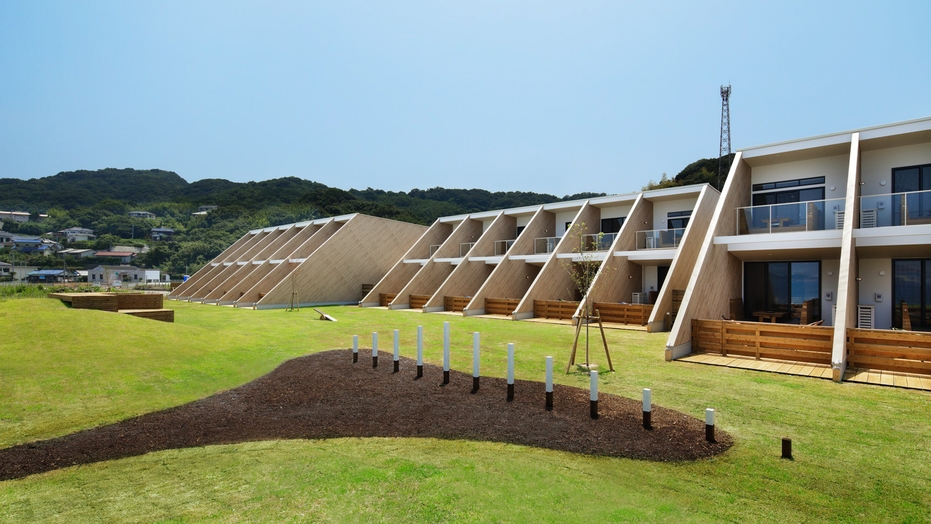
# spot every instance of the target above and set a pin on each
(912, 285)
(782, 287)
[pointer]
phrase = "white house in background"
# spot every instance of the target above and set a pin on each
(140, 214)
(76, 234)
(6, 239)
(15, 216)
(76, 253)
(125, 257)
(115, 275)
(6, 269)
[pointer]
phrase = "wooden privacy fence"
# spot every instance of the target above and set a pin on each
(559, 309)
(418, 301)
(624, 313)
(903, 351)
(763, 340)
(384, 299)
(455, 303)
(501, 306)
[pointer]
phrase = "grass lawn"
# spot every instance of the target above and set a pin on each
(863, 453)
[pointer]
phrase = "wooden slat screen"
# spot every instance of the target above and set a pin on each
(904, 351)
(763, 340)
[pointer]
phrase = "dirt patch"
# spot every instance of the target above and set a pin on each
(326, 396)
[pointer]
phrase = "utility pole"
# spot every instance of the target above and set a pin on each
(724, 156)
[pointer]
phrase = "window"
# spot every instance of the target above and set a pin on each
(612, 225)
(782, 287)
(520, 229)
(677, 219)
(764, 194)
(911, 283)
(915, 180)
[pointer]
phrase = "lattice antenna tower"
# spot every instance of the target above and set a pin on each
(724, 158)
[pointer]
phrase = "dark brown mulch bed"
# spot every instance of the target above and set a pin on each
(326, 396)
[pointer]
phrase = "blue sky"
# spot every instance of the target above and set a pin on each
(554, 97)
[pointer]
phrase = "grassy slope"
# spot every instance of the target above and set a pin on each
(862, 452)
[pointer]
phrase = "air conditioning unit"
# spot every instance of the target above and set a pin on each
(865, 317)
(839, 219)
(636, 298)
(867, 218)
(651, 242)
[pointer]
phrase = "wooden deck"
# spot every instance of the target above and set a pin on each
(807, 369)
(885, 377)
(786, 367)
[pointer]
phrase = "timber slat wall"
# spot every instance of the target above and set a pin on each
(559, 309)
(418, 301)
(455, 303)
(908, 352)
(763, 340)
(624, 313)
(501, 306)
(135, 304)
(386, 298)
(163, 315)
(135, 301)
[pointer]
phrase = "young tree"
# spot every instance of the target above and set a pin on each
(583, 273)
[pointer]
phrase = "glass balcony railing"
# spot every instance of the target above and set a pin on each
(895, 209)
(502, 247)
(813, 215)
(660, 238)
(434, 248)
(465, 247)
(598, 241)
(545, 245)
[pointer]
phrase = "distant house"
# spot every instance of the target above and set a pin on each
(162, 233)
(35, 245)
(76, 234)
(141, 214)
(131, 249)
(6, 239)
(207, 208)
(44, 276)
(125, 257)
(15, 216)
(6, 269)
(76, 253)
(115, 275)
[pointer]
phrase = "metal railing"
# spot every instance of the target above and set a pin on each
(598, 241)
(502, 247)
(813, 215)
(465, 247)
(895, 209)
(660, 238)
(434, 248)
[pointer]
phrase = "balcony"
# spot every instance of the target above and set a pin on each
(502, 247)
(543, 245)
(660, 238)
(465, 247)
(895, 209)
(813, 215)
(598, 241)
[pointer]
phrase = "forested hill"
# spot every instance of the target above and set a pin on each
(137, 188)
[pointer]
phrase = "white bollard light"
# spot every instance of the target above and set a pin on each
(594, 393)
(355, 348)
(709, 425)
(549, 383)
(475, 361)
(647, 407)
(374, 349)
(445, 352)
(419, 351)
(397, 352)
(510, 372)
